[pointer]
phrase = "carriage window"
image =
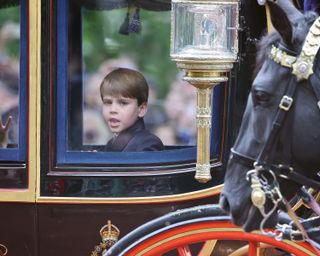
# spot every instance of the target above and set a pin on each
(112, 43)
(96, 38)
(13, 80)
(13, 73)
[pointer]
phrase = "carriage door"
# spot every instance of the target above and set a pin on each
(81, 185)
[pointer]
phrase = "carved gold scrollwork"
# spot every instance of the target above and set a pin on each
(204, 91)
(204, 123)
(203, 111)
(203, 172)
(281, 57)
(3, 250)
(302, 66)
(109, 235)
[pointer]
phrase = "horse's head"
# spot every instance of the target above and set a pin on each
(297, 141)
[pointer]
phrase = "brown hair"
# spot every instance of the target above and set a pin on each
(127, 83)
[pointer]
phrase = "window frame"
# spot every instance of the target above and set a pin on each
(65, 158)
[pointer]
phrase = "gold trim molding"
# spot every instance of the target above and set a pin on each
(135, 200)
(35, 95)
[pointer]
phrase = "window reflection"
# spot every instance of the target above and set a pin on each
(172, 102)
(13, 178)
(125, 187)
(10, 68)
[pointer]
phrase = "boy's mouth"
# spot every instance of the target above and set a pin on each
(113, 122)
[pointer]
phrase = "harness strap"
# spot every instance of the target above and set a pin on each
(280, 170)
(302, 230)
(242, 159)
(289, 173)
(296, 221)
(309, 200)
(315, 82)
(303, 67)
(285, 140)
(281, 114)
(311, 227)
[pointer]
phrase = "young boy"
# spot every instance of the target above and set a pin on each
(124, 93)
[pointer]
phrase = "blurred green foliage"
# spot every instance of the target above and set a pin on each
(12, 40)
(150, 48)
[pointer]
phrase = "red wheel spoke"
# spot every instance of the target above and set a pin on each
(184, 251)
(253, 247)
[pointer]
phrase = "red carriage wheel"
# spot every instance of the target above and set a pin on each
(183, 233)
(180, 237)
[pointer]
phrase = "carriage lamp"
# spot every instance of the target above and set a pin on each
(204, 43)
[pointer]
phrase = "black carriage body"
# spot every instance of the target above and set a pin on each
(56, 198)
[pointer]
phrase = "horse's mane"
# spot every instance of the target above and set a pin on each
(300, 28)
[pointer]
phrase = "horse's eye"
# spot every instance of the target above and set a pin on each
(260, 96)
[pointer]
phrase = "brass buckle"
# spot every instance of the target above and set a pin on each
(285, 103)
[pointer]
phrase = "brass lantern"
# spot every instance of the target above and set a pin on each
(204, 43)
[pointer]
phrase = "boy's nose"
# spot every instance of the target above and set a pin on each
(113, 108)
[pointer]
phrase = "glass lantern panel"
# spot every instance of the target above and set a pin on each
(212, 32)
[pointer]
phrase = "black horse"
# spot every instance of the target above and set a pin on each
(280, 127)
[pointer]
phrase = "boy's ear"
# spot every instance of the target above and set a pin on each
(143, 109)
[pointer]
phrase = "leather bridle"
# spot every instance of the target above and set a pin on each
(263, 177)
(302, 68)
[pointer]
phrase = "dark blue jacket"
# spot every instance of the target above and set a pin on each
(135, 138)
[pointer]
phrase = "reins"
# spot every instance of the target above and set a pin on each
(263, 177)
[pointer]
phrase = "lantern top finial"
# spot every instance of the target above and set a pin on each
(206, 31)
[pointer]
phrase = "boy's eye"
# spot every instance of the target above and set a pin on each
(123, 102)
(107, 102)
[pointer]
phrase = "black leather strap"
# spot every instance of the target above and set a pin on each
(280, 170)
(294, 175)
(312, 227)
(315, 84)
(277, 125)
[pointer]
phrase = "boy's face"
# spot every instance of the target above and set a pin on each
(121, 113)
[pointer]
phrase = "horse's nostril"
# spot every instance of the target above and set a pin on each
(224, 204)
